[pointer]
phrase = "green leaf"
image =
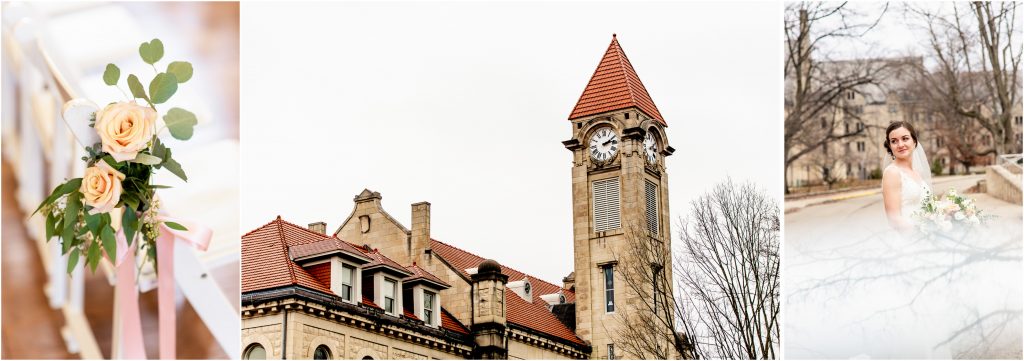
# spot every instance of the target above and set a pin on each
(68, 238)
(136, 87)
(51, 221)
(152, 51)
(175, 168)
(68, 187)
(159, 149)
(143, 158)
(182, 70)
(112, 74)
(73, 259)
(109, 243)
(162, 87)
(175, 226)
(94, 222)
(180, 122)
(129, 223)
(72, 209)
(92, 258)
(130, 200)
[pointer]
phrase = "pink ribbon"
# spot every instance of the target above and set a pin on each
(128, 295)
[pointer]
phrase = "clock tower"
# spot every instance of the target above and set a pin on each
(619, 195)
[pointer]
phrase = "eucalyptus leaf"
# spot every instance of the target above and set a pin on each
(159, 149)
(162, 87)
(67, 238)
(143, 158)
(68, 187)
(136, 87)
(71, 210)
(182, 70)
(109, 243)
(92, 258)
(51, 221)
(111, 75)
(73, 259)
(175, 168)
(129, 223)
(180, 122)
(93, 222)
(175, 226)
(152, 51)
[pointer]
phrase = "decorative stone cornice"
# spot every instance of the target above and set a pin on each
(298, 299)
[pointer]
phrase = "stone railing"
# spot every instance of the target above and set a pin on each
(1003, 180)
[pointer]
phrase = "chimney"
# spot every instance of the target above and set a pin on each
(318, 227)
(420, 237)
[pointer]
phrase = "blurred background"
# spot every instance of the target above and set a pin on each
(54, 52)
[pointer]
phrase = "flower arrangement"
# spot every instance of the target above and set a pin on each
(116, 197)
(944, 212)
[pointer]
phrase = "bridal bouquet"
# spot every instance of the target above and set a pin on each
(944, 212)
(116, 198)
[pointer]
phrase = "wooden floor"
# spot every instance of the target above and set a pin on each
(31, 329)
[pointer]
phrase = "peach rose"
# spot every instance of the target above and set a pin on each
(101, 187)
(125, 128)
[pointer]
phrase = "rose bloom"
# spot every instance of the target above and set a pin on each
(101, 187)
(125, 128)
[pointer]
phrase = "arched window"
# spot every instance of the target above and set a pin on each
(367, 358)
(255, 352)
(322, 353)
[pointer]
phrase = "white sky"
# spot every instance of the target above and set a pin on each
(464, 105)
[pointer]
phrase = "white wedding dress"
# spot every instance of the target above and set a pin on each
(869, 292)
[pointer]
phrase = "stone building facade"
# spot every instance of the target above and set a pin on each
(376, 289)
(870, 108)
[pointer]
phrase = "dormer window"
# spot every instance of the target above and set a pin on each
(390, 287)
(347, 281)
(428, 307)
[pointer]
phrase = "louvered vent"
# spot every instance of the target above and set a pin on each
(606, 204)
(651, 191)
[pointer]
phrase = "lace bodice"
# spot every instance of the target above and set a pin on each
(911, 193)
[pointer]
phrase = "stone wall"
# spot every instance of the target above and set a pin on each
(1003, 184)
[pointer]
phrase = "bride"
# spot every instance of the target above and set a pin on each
(905, 182)
(869, 285)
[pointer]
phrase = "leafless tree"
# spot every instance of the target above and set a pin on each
(816, 85)
(976, 78)
(725, 275)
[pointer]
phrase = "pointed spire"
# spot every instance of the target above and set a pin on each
(615, 85)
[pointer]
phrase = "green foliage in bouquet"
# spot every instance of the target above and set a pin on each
(117, 190)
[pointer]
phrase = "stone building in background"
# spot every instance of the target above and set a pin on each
(376, 289)
(895, 95)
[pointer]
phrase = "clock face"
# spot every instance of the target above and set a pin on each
(604, 144)
(650, 148)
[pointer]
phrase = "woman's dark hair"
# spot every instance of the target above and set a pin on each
(897, 125)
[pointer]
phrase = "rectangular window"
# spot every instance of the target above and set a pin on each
(651, 193)
(389, 296)
(656, 275)
(609, 289)
(611, 351)
(428, 308)
(606, 204)
(348, 274)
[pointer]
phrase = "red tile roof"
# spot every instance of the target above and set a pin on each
(266, 262)
(615, 85)
(379, 259)
(324, 246)
(418, 274)
(450, 323)
(534, 315)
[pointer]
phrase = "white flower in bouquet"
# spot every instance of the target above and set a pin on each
(946, 212)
